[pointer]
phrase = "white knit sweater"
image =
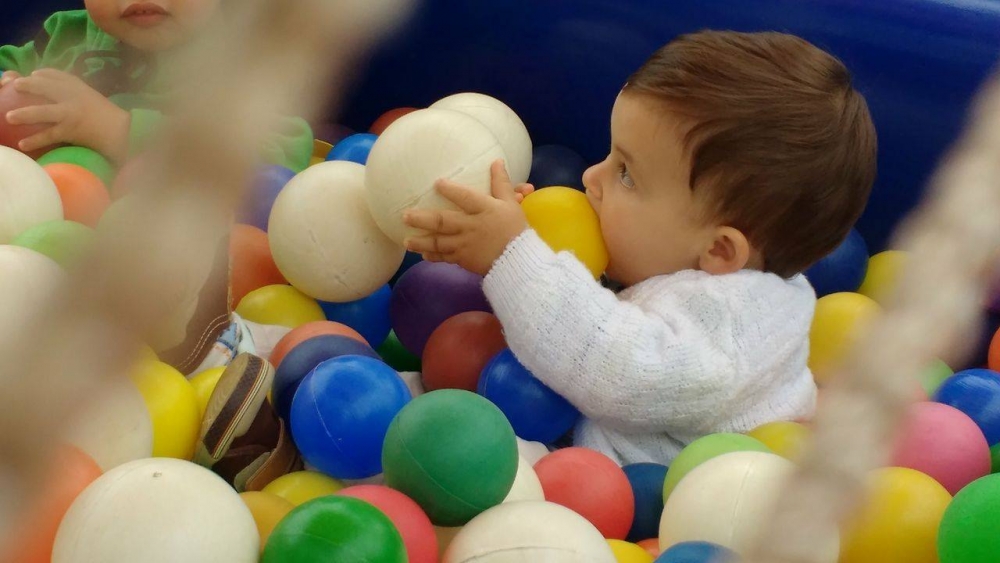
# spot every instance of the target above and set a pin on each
(664, 362)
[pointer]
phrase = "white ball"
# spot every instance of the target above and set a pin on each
(28, 196)
(416, 151)
(526, 484)
(115, 428)
(529, 531)
(728, 499)
(324, 239)
(532, 452)
(27, 280)
(503, 122)
(157, 510)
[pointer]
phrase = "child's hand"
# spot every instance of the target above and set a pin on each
(8, 77)
(79, 115)
(477, 235)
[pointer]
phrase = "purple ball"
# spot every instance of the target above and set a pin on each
(257, 203)
(428, 294)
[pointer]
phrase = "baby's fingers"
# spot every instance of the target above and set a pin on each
(31, 115)
(445, 222)
(50, 136)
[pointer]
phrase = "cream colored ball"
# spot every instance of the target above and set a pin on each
(324, 239)
(526, 484)
(115, 427)
(158, 510)
(529, 531)
(28, 279)
(503, 122)
(728, 499)
(417, 150)
(28, 196)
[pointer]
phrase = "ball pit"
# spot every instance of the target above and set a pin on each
(840, 318)
(259, 199)
(354, 148)
(84, 196)
(304, 332)
(250, 261)
(299, 487)
(564, 219)
(457, 351)
(267, 510)
(281, 305)
(408, 518)
(842, 270)
(65, 242)
(704, 449)
(30, 196)
(646, 480)
(556, 165)
(369, 315)
(975, 392)
(173, 408)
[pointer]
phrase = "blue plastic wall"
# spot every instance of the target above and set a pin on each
(560, 63)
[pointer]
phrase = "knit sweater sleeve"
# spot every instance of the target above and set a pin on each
(619, 364)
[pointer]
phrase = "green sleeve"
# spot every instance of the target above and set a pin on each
(63, 38)
(292, 145)
(23, 60)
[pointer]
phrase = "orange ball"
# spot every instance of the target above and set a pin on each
(70, 472)
(307, 331)
(253, 265)
(459, 349)
(387, 118)
(84, 196)
(652, 546)
(994, 357)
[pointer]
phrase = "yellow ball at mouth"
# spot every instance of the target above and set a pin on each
(566, 222)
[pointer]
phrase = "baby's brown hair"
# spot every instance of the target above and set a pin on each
(781, 144)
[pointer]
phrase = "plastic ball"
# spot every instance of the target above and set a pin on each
(839, 320)
(304, 332)
(29, 280)
(415, 152)
(413, 525)
(82, 156)
(320, 150)
(843, 269)
(263, 191)
(453, 452)
(536, 412)
(398, 357)
(387, 119)
(354, 148)
(592, 485)
(84, 196)
(322, 209)
(250, 261)
(651, 545)
(267, 509)
(975, 392)
(304, 358)
(281, 305)
(884, 270)
(646, 480)
(727, 500)
(29, 195)
(564, 219)
(65, 242)
(158, 510)
(934, 375)
(784, 438)
(994, 352)
(526, 484)
(970, 528)
(341, 413)
(299, 487)
(368, 315)
(899, 520)
(173, 407)
(626, 552)
(697, 552)
(995, 458)
(459, 350)
(704, 449)
(204, 384)
(505, 125)
(429, 294)
(556, 165)
(115, 427)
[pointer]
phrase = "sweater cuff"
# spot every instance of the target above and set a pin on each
(525, 256)
(141, 129)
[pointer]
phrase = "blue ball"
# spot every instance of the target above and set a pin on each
(843, 269)
(341, 413)
(369, 316)
(647, 487)
(556, 165)
(976, 392)
(304, 358)
(697, 552)
(536, 412)
(354, 148)
(257, 202)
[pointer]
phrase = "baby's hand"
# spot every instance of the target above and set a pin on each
(8, 77)
(79, 115)
(476, 235)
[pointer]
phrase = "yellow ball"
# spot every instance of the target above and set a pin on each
(565, 220)
(783, 438)
(173, 408)
(303, 486)
(267, 509)
(899, 521)
(840, 318)
(281, 305)
(626, 552)
(884, 270)
(204, 384)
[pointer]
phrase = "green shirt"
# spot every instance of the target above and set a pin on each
(71, 42)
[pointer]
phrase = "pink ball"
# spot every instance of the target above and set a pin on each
(411, 521)
(943, 442)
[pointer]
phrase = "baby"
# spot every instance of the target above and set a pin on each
(737, 160)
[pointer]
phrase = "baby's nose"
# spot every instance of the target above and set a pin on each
(593, 185)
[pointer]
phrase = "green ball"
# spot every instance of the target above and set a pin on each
(934, 375)
(335, 529)
(704, 449)
(970, 528)
(62, 241)
(995, 458)
(398, 357)
(87, 158)
(453, 452)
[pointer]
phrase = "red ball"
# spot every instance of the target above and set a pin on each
(84, 196)
(943, 442)
(387, 118)
(459, 349)
(590, 484)
(11, 135)
(411, 521)
(252, 265)
(304, 332)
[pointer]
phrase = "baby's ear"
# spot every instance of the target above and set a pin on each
(729, 251)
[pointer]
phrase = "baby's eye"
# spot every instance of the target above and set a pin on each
(625, 177)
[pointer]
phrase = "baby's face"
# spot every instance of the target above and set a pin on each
(151, 25)
(651, 220)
